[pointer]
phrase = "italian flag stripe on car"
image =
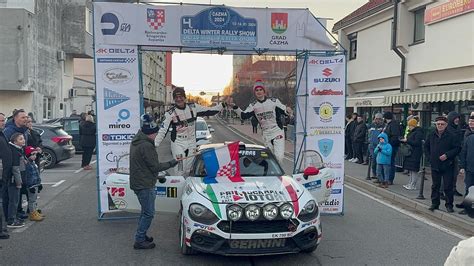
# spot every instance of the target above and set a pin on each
(212, 196)
(292, 193)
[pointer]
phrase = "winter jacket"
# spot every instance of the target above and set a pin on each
(33, 178)
(11, 128)
(415, 140)
(383, 151)
(467, 153)
(360, 132)
(18, 165)
(144, 164)
(437, 145)
(372, 136)
(392, 129)
(87, 132)
(455, 129)
(350, 129)
(5, 158)
(34, 139)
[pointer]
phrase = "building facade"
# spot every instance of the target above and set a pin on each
(419, 59)
(154, 81)
(39, 41)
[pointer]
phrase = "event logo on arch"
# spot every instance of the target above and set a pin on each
(279, 22)
(155, 18)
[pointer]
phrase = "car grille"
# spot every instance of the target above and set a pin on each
(257, 227)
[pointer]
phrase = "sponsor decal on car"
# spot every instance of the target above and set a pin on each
(204, 227)
(310, 186)
(256, 195)
(257, 243)
(313, 222)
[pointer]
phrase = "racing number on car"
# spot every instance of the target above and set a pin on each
(171, 192)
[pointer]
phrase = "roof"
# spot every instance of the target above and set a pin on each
(370, 8)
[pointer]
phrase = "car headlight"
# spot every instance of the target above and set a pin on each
(309, 211)
(270, 211)
(252, 212)
(234, 212)
(201, 214)
(208, 136)
(286, 211)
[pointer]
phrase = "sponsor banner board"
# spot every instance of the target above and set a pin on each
(195, 26)
(118, 108)
(324, 121)
(448, 10)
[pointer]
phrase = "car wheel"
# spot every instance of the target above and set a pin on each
(185, 250)
(49, 158)
(311, 249)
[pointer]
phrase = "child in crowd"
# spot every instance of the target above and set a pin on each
(33, 184)
(12, 194)
(383, 153)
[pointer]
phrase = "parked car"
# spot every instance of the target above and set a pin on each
(71, 126)
(268, 213)
(57, 144)
(203, 134)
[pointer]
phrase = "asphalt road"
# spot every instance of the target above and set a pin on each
(370, 233)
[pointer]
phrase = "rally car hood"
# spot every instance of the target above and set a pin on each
(254, 189)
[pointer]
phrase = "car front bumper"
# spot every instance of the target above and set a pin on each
(208, 242)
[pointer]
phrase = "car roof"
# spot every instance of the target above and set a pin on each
(47, 126)
(201, 119)
(218, 145)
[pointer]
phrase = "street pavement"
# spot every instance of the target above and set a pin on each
(356, 174)
(370, 233)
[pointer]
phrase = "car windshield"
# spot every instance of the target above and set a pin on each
(200, 125)
(253, 162)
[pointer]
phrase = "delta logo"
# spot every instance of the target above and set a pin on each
(279, 22)
(317, 92)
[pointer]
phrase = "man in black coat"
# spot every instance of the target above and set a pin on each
(358, 139)
(442, 147)
(349, 131)
(87, 132)
(392, 129)
(5, 172)
(466, 163)
(455, 128)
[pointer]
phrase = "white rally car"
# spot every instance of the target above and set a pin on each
(269, 213)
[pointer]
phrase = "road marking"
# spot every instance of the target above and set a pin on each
(59, 171)
(58, 183)
(80, 169)
(408, 213)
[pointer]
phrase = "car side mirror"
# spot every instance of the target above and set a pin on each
(310, 171)
(211, 130)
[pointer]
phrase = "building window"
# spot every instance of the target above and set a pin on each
(47, 108)
(352, 46)
(89, 23)
(419, 30)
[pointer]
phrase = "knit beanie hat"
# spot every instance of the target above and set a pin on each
(258, 84)
(179, 92)
(412, 122)
(29, 150)
(148, 125)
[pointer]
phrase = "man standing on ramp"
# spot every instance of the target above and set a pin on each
(268, 112)
(181, 120)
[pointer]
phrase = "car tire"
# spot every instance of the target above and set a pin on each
(50, 158)
(185, 250)
(311, 249)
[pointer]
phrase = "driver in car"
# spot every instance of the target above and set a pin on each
(269, 113)
(181, 119)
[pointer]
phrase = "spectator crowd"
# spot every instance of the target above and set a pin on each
(448, 148)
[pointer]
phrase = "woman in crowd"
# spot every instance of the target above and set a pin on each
(412, 162)
(87, 132)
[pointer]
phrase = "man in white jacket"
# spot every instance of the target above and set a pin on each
(181, 120)
(268, 112)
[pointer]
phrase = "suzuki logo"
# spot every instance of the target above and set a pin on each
(327, 72)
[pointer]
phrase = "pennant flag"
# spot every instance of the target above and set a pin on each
(222, 162)
(113, 98)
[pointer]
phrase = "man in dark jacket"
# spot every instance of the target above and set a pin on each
(392, 129)
(349, 131)
(441, 148)
(466, 163)
(87, 133)
(17, 124)
(358, 140)
(5, 172)
(144, 169)
(455, 128)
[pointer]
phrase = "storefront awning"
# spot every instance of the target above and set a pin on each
(370, 99)
(430, 94)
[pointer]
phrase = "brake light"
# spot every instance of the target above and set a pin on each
(61, 139)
